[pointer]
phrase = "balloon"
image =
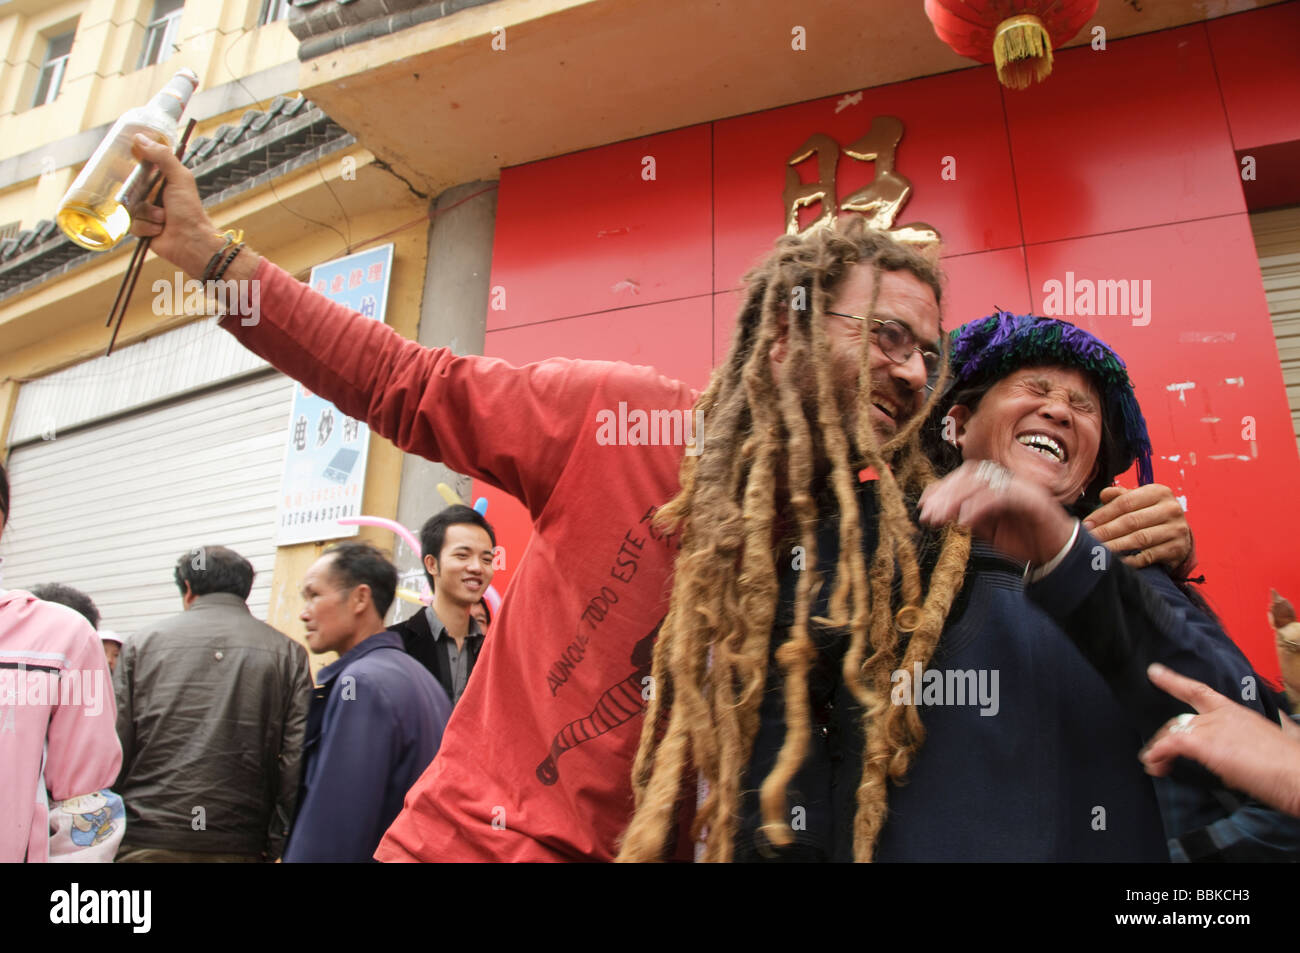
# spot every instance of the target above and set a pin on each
(491, 595)
(393, 525)
(453, 499)
(410, 595)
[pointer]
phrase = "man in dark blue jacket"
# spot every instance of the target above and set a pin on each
(376, 717)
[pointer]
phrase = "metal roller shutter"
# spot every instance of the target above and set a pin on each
(109, 507)
(1277, 239)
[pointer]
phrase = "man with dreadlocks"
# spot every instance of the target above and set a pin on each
(834, 760)
(564, 677)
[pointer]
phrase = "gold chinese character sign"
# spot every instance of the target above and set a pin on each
(880, 201)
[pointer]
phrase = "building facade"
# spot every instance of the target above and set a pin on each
(177, 440)
(592, 179)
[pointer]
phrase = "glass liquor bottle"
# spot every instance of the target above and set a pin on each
(94, 213)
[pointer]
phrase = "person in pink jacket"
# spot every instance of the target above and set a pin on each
(58, 744)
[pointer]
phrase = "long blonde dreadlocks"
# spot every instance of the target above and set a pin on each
(765, 439)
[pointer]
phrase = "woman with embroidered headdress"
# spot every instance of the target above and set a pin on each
(938, 707)
(1044, 417)
(1030, 400)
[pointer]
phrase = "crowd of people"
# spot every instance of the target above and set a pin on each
(894, 608)
(203, 738)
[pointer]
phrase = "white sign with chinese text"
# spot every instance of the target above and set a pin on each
(325, 457)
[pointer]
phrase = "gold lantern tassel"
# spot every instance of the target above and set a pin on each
(1022, 50)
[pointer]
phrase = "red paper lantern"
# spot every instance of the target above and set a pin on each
(1017, 35)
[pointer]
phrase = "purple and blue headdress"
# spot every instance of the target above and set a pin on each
(987, 349)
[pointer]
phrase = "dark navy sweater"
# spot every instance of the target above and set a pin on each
(1035, 706)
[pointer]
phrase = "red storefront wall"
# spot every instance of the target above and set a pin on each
(1124, 165)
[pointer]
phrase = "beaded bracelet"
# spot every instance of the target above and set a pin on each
(226, 263)
(232, 236)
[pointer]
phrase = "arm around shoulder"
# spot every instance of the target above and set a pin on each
(1123, 620)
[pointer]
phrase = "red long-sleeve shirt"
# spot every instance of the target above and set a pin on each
(535, 762)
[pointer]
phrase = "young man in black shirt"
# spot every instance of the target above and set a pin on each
(457, 549)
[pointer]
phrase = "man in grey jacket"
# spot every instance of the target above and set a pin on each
(211, 712)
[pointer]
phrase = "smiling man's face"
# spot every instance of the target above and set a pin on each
(465, 570)
(897, 390)
(1042, 423)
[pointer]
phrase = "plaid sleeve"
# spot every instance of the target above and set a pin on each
(1250, 833)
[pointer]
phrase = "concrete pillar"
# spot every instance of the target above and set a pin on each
(453, 314)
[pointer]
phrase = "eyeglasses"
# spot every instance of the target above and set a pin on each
(897, 342)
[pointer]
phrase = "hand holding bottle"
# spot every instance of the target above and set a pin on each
(181, 231)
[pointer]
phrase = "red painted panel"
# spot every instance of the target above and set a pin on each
(957, 115)
(673, 337)
(586, 232)
(979, 284)
(1127, 137)
(1205, 366)
(1257, 56)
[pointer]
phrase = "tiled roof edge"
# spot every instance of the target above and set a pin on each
(264, 145)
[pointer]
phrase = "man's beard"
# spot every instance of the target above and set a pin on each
(845, 387)
(846, 397)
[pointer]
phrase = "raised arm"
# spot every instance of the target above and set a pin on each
(1124, 620)
(514, 428)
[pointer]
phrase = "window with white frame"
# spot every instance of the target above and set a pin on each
(52, 69)
(160, 34)
(273, 10)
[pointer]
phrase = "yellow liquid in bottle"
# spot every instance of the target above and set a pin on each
(90, 214)
(97, 226)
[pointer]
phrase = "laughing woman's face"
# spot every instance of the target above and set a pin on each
(1043, 423)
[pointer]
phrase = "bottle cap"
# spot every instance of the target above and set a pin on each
(179, 88)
